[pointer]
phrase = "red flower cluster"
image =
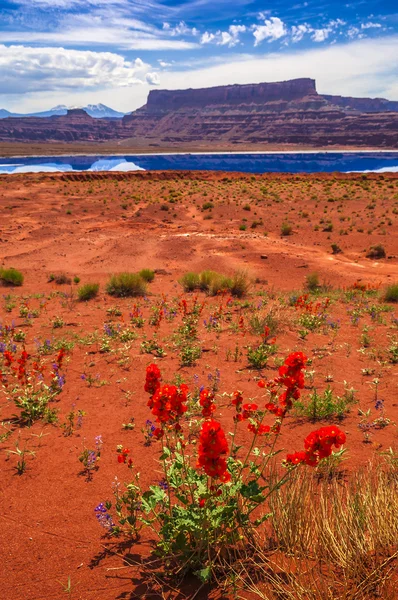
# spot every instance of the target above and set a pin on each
(122, 454)
(213, 447)
(318, 445)
(290, 376)
(60, 357)
(153, 377)
(308, 306)
(206, 398)
(8, 358)
(167, 403)
(22, 364)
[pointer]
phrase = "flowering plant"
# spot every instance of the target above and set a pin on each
(23, 380)
(211, 501)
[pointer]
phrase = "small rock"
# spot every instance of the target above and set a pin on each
(264, 256)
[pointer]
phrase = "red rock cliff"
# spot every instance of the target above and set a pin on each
(231, 95)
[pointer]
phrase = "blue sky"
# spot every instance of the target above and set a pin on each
(76, 52)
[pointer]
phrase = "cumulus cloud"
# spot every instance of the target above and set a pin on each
(180, 29)
(273, 29)
(299, 31)
(228, 38)
(25, 69)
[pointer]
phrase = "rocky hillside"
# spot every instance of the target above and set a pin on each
(278, 113)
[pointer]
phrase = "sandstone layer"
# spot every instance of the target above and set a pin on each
(289, 112)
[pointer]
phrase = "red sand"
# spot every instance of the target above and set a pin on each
(94, 225)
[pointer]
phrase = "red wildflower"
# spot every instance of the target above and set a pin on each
(153, 377)
(212, 448)
(206, 398)
(167, 403)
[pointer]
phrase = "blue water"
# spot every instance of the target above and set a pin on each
(314, 162)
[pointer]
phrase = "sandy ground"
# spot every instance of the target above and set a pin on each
(93, 225)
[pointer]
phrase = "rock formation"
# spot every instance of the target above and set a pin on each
(289, 112)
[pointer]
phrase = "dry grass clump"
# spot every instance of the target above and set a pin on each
(330, 540)
(125, 285)
(11, 277)
(214, 283)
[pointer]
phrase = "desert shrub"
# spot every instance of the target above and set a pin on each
(258, 357)
(391, 293)
(207, 205)
(240, 284)
(87, 291)
(286, 229)
(123, 285)
(312, 282)
(11, 277)
(273, 320)
(147, 275)
(205, 279)
(324, 406)
(376, 251)
(336, 249)
(60, 279)
(190, 281)
(219, 284)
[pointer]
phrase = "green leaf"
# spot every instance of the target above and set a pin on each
(204, 574)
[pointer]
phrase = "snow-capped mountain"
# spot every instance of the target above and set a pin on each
(97, 111)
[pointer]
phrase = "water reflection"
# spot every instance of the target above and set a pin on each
(315, 162)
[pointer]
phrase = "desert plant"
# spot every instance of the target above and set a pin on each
(324, 406)
(391, 293)
(125, 285)
(147, 275)
(312, 282)
(11, 277)
(376, 251)
(286, 229)
(190, 281)
(219, 284)
(239, 284)
(205, 279)
(88, 291)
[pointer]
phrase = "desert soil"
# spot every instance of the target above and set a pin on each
(94, 225)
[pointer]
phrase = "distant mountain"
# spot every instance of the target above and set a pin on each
(285, 112)
(97, 111)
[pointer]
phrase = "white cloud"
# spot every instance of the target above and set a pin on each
(273, 29)
(320, 35)
(180, 29)
(228, 38)
(299, 31)
(152, 78)
(370, 25)
(207, 38)
(25, 69)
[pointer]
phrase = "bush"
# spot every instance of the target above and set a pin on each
(324, 406)
(205, 279)
(61, 279)
(219, 284)
(88, 291)
(336, 249)
(190, 282)
(376, 251)
(312, 282)
(147, 275)
(286, 229)
(11, 277)
(391, 293)
(126, 284)
(240, 284)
